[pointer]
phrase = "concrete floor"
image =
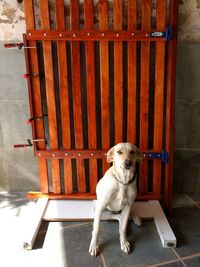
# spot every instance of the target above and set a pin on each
(65, 244)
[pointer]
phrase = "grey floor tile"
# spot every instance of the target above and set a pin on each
(146, 245)
(193, 262)
(174, 264)
(69, 247)
(186, 224)
(65, 244)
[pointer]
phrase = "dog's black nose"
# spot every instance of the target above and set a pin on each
(127, 163)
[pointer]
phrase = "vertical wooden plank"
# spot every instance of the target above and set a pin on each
(76, 91)
(104, 80)
(64, 96)
(132, 75)
(50, 95)
(170, 105)
(144, 93)
(36, 97)
(91, 94)
(159, 95)
(118, 74)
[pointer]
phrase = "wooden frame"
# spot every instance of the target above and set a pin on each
(96, 83)
(100, 83)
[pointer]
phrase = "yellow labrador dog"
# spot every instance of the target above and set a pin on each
(116, 191)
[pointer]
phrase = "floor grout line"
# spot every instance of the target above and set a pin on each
(179, 259)
(163, 263)
(180, 205)
(103, 260)
(193, 202)
(191, 256)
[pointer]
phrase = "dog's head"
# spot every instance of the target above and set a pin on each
(124, 155)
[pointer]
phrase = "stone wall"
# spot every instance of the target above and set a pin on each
(18, 168)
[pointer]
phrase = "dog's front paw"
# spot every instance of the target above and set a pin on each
(137, 220)
(125, 246)
(93, 249)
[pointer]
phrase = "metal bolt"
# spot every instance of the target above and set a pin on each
(170, 244)
(45, 34)
(53, 155)
(147, 35)
(79, 154)
(29, 34)
(117, 34)
(39, 154)
(102, 34)
(74, 35)
(60, 34)
(92, 154)
(88, 34)
(66, 154)
(132, 34)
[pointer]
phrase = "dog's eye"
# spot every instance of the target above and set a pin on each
(119, 152)
(132, 152)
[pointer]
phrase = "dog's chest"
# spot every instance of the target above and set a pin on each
(123, 197)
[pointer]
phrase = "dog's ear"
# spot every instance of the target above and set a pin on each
(109, 155)
(139, 155)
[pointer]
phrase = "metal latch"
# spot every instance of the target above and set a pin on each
(167, 34)
(163, 156)
(29, 143)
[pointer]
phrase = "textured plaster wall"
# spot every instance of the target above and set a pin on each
(18, 168)
(189, 20)
(12, 22)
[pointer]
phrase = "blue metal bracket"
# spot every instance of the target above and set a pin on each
(163, 155)
(167, 34)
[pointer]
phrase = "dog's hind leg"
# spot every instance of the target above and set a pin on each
(137, 220)
(125, 246)
(135, 217)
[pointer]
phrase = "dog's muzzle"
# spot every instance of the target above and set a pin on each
(127, 164)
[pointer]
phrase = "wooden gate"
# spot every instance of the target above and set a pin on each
(100, 73)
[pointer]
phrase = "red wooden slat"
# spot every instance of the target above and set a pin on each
(29, 15)
(118, 74)
(144, 93)
(38, 125)
(50, 95)
(91, 94)
(170, 105)
(64, 97)
(76, 88)
(159, 95)
(132, 74)
(104, 80)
